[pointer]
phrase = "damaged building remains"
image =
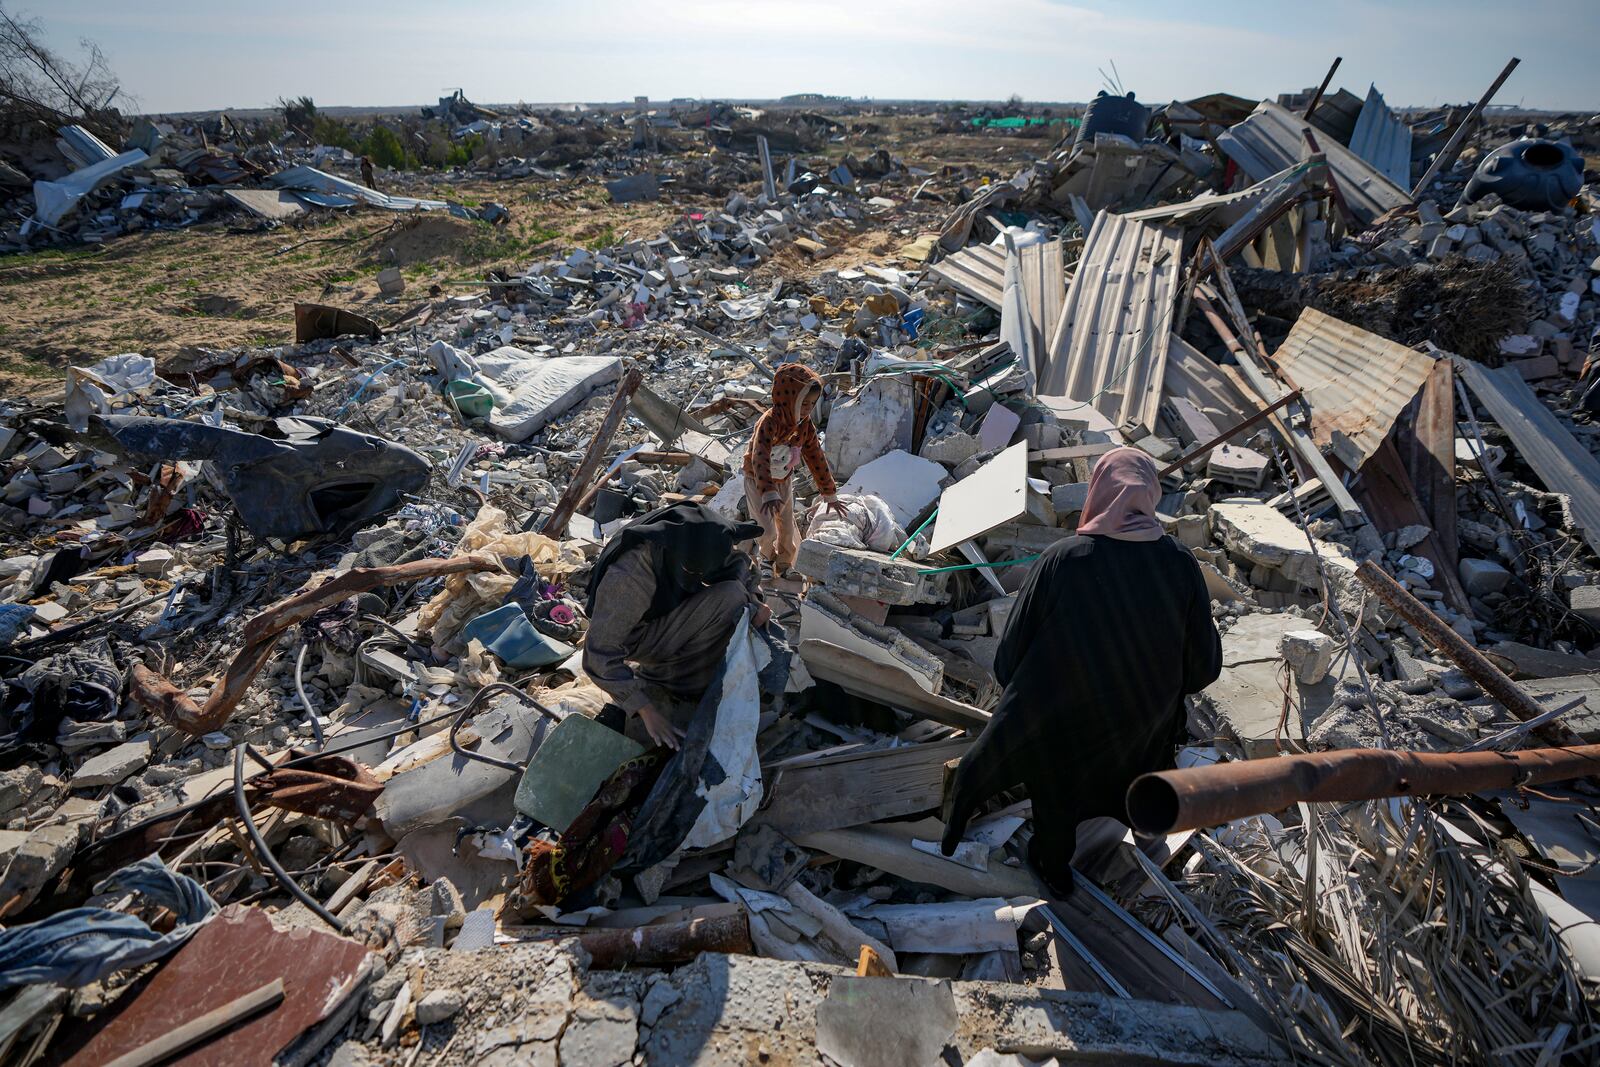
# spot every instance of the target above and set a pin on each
(329, 737)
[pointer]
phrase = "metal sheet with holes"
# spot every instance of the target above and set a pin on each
(1110, 343)
(1356, 382)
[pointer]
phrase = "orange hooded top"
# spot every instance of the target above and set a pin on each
(781, 434)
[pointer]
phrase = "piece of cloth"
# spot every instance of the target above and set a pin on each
(83, 945)
(780, 536)
(629, 654)
(1123, 493)
(785, 436)
(553, 870)
(1106, 638)
(81, 683)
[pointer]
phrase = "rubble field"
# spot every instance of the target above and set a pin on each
(305, 467)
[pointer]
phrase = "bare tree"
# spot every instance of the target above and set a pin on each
(39, 85)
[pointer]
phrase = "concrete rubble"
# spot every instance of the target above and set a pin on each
(303, 647)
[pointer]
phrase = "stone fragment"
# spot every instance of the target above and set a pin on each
(113, 766)
(869, 575)
(1585, 601)
(17, 786)
(1309, 653)
(1480, 577)
(439, 1005)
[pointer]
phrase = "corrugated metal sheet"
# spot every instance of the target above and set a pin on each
(1110, 344)
(1383, 140)
(1337, 113)
(1190, 374)
(1273, 139)
(979, 271)
(1560, 460)
(1356, 382)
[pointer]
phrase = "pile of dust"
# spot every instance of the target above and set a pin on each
(421, 239)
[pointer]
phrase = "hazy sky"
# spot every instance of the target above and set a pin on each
(188, 55)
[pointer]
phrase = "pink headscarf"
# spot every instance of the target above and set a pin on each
(1123, 491)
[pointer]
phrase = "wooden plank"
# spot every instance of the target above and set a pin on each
(878, 681)
(858, 787)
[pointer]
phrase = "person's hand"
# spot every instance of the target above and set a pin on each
(770, 508)
(763, 615)
(660, 730)
(834, 507)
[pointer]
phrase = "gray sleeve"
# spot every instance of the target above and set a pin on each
(620, 603)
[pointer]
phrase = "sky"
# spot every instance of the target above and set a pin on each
(185, 55)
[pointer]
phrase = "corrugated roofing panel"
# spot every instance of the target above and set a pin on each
(1356, 382)
(1383, 140)
(1273, 139)
(1044, 289)
(979, 271)
(1110, 345)
(1560, 459)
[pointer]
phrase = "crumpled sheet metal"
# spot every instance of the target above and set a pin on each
(1356, 382)
(236, 953)
(318, 478)
(329, 787)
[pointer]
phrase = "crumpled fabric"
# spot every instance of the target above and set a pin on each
(14, 621)
(82, 683)
(106, 387)
(83, 945)
(466, 596)
(867, 524)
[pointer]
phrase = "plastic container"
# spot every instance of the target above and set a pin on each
(1114, 114)
(469, 398)
(1531, 174)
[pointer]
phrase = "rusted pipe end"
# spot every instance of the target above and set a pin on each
(1152, 805)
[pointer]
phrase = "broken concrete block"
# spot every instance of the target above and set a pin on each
(876, 421)
(1237, 466)
(1309, 653)
(1264, 535)
(17, 786)
(40, 858)
(391, 282)
(907, 483)
(1585, 601)
(113, 766)
(1069, 499)
(1480, 577)
(825, 618)
(870, 575)
(153, 563)
(439, 1005)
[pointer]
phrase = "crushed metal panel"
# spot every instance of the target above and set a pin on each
(1110, 343)
(979, 271)
(236, 953)
(1191, 375)
(1356, 382)
(1273, 139)
(1560, 459)
(1383, 140)
(275, 204)
(1044, 289)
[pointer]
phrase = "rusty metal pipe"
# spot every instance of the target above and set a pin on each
(1168, 801)
(1473, 664)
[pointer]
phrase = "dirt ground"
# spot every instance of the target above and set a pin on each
(229, 285)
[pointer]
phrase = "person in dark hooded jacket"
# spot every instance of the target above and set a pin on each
(1110, 631)
(664, 597)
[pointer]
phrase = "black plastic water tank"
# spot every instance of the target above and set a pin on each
(1113, 114)
(1531, 174)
